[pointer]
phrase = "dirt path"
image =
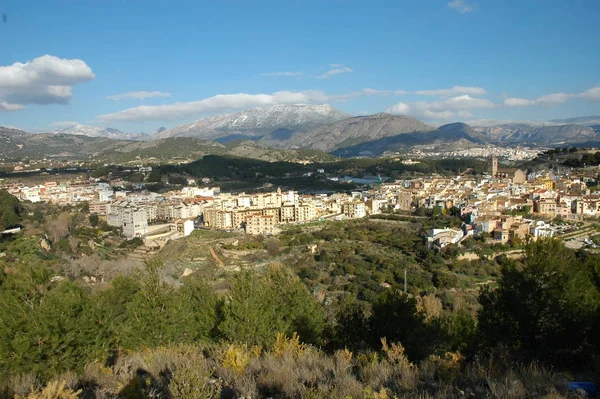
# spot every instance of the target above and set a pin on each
(215, 257)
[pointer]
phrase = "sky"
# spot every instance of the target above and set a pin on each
(139, 65)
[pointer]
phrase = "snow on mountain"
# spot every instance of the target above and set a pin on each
(97, 131)
(259, 121)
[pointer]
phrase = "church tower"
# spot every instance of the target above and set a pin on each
(493, 166)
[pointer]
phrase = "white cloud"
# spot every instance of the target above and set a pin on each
(453, 107)
(454, 91)
(462, 102)
(297, 74)
(64, 123)
(399, 108)
(228, 102)
(461, 6)
(138, 95)
(43, 80)
(548, 99)
(465, 114)
(6, 107)
(335, 71)
(518, 102)
(374, 92)
(370, 92)
(554, 98)
(218, 103)
(592, 94)
(364, 92)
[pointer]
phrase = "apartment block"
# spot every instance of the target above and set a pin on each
(260, 224)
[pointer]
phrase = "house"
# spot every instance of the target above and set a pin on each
(542, 229)
(443, 237)
(183, 227)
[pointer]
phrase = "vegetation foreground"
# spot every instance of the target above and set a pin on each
(332, 322)
(268, 337)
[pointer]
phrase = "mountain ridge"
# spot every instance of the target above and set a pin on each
(355, 130)
(293, 127)
(97, 131)
(258, 121)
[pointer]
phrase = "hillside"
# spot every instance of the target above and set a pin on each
(258, 121)
(17, 144)
(185, 149)
(582, 120)
(96, 131)
(277, 133)
(457, 131)
(522, 133)
(352, 131)
(455, 134)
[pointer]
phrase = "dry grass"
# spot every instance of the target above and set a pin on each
(289, 369)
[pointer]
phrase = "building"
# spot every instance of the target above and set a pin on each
(516, 176)
(354, 210)
(99, 208)
(287, 213)
(546, 206)
(493, 166)
(134, 222)
(442, 237)
(260, 224)
(183, 227)
(404, 201)
(305, 212)
(218, 218)
(131, 217)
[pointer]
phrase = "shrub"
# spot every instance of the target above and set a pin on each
(193, 379)
(55, 390)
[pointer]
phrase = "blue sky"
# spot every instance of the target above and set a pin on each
(139, 65)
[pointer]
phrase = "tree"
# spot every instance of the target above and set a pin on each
(542, 308)
(156, 314)
(396, 318)
(154, 177)
(100, 172)
(248, 314)
(350, 327)
(202, 303)
(272, 245)
(296, 306)
(94, 219)
(46, 326)
(260, 306)
(59, 227)
(11, 210)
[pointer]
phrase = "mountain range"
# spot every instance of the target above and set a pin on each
(95, 131)
(320, 128)
(17, 144)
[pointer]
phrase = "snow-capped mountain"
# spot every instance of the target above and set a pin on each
(259, 121)
(97, 131)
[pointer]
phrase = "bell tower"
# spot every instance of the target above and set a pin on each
(493, 166)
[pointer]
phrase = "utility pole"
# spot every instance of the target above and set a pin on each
(405, 290)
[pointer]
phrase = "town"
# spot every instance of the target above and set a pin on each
(508, 204)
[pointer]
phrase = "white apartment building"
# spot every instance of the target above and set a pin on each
(354, 210)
